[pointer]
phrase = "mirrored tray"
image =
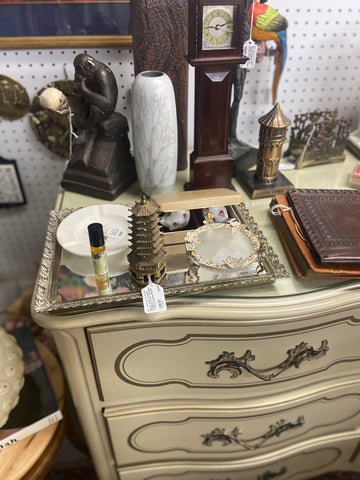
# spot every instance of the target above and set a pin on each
(59, 290)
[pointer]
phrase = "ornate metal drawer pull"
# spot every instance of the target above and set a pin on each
(295, 356)
(275, 430)
(269, 474)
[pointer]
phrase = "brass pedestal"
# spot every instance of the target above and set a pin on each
(258, 189)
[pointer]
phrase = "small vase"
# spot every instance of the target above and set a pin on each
(154, 128)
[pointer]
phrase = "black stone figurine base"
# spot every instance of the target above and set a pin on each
(257, 189)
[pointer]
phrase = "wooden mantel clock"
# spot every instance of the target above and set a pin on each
(216, 36)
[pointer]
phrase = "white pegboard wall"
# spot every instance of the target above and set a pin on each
(22, 229)
(322, 67)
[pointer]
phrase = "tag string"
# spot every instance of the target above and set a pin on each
(71, 132)
(278, 208)
(250, 47)
(252, 19)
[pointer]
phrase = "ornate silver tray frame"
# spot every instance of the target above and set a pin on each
(45, 299)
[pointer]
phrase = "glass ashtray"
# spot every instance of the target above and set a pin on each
(222, 246)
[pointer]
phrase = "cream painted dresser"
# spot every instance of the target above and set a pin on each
(256, 383)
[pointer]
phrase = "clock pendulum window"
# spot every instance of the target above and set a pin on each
(216, 36)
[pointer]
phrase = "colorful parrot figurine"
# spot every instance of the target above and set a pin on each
(269, 24)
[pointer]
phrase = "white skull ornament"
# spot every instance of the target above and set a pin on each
(54, 99)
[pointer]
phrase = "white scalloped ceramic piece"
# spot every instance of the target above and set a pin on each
(72, 235)
(11, 374)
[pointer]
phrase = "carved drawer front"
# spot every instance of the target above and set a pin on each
(169, 434)
(298, 466)
(194, 361)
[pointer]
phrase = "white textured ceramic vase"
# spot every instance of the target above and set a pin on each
(154, 128)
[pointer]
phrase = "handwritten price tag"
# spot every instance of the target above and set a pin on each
(249, 50)
(153, 298)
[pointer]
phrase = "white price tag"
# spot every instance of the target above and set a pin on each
(153, 298)
(249, 50)
(114, 232)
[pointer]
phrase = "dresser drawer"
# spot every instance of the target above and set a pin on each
(300, 465)
(183, 434)
(152, 362)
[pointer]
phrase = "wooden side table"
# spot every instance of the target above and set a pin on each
(33, 457)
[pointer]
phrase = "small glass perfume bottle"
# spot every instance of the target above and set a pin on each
(99, 258)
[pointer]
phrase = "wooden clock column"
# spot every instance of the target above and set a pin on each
(215, 50)
(210, 162)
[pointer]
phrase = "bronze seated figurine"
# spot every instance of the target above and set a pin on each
(100, 163)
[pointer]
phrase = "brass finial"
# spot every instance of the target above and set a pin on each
(275, 118)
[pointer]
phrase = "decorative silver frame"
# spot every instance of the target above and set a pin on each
(11, 179)
(45, 293)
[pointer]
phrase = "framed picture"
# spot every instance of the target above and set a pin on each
(64, 24)
(11, 189)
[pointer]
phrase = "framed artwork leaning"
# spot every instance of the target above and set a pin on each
(12, 193)
(64, 24)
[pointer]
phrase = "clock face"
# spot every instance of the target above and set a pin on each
(218, 28)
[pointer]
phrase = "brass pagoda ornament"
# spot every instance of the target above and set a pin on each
(147, 259)
(266, 180)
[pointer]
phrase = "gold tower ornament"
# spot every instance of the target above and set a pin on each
(266, 180)
(147, 258)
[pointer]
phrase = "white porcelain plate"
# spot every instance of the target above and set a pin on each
(72, 233)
